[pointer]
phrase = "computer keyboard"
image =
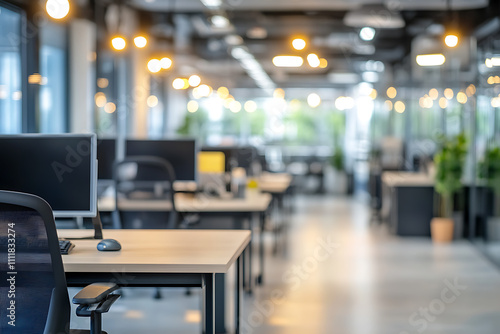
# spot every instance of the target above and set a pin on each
(65, 246)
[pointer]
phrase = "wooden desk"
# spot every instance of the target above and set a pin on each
(278, 185)
(175, 258)
(408, 202)
(275, 183)
(254, 205)
(255, 202)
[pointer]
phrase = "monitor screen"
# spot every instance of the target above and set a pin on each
(106, 155)
(180, 153)
(59, 168)
(236, 156)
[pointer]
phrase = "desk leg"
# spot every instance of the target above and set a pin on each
(220, 303)
(250, 263)
(262, 221)
(237, 294)
(209, 304)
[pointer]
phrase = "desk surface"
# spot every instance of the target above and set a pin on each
(275, 183)
(157, 251)
(254, 202)
(407, 179)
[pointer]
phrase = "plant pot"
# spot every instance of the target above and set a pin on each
(493, 228)
(442, 230)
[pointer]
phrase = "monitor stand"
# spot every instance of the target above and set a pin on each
(96, 222)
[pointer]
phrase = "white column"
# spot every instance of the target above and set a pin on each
(82, 75)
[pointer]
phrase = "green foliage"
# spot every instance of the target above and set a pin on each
(489, 169)
(193, 123)
(257, 122)
(338, 158)
(450, 163)
(305, 127)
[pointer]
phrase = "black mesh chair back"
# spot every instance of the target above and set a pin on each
(34, 296)
(143, 179)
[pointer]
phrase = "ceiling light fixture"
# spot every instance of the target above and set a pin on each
(392, 92)
(288, 61)
(219, 21)
(313, 100)
(313, 60)
(233, 39)
(495, 61)
(437, 59)
(212, 4)
(166, 63)
(140, 41)
(323, 63)
(154, 65)
(367, 33)
(257, 33)
(250, 106)
(180, 83)
(451, 40)
(57, 9)
(194, 80)
(299, 44)
(253, 68)
(118, 43)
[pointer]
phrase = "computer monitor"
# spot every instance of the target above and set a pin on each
(236, 156)
(180, 153)
(106, 155)
(62, 169)
(211, 162)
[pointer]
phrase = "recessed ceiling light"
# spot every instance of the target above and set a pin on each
(451, 40)
(367, 33)
(431, 59)
(288, 61)
(299, 44)
(233, 40)
(257, 33)
(212, 3)
(219, 21)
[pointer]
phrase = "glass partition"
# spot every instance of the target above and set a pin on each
(11, 93)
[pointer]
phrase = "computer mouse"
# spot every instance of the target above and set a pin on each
(109, 245)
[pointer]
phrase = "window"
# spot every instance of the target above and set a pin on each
(10, 71)
(53, 71)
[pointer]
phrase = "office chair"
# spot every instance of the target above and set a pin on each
(144, 179)
(35, 298)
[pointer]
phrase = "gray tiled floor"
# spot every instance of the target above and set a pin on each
(364, 282)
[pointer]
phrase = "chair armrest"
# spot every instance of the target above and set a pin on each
(94, 293)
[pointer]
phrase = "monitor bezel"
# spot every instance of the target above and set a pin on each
(92, 212)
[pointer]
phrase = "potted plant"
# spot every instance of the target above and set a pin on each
(449, 164)
(489, 170)
(339, 175)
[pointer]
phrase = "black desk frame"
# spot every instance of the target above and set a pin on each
(205, 281)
